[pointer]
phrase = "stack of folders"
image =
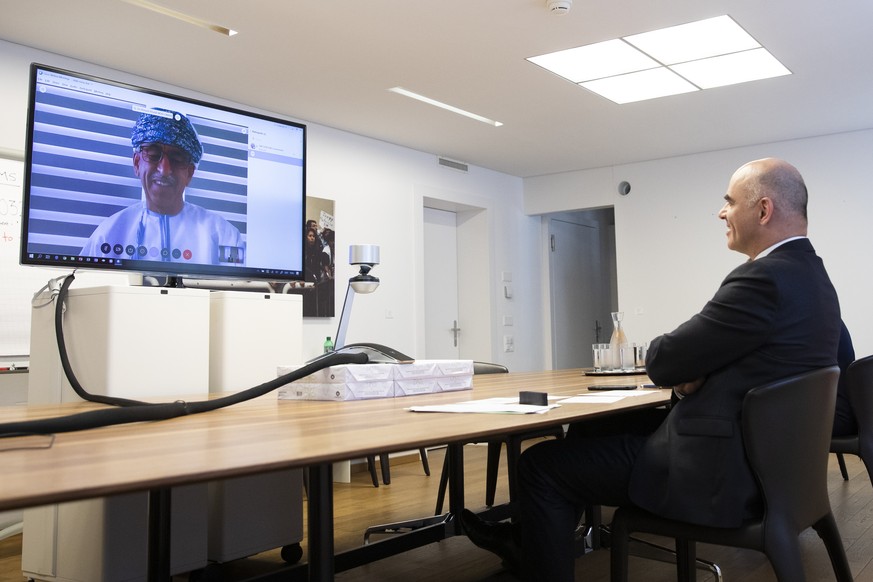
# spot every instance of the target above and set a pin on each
(361, 381)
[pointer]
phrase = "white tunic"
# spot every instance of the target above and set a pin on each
(194, 235)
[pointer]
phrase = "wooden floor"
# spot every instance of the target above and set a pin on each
(412, 494)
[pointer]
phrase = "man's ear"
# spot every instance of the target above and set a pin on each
(190, 174)
(765, 210)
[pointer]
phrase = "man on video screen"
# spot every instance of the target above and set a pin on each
(163, 226)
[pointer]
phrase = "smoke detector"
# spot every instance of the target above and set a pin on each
(559, 6)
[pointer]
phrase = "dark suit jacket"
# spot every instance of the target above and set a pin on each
(771, 318)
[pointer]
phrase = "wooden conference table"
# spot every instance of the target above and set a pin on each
(267, 434)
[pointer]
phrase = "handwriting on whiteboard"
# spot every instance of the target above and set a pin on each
(10, 206)
(10, 217)
(8, 176)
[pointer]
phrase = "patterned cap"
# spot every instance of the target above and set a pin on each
(174, 130)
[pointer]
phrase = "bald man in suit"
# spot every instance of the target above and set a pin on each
(774, 316)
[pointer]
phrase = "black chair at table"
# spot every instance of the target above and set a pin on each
(513, 450)
(859, 378)
(790, 466)
(493, 453)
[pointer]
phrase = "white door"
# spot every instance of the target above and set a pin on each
(580, 293)
(443, 333)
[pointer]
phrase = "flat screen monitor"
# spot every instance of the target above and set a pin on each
(125, 178)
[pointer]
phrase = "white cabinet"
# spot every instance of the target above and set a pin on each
(130, 342)
(252, 335)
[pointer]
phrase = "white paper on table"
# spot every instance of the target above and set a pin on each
(603, 396)
(486, 406)
(506, 400)
(597, 399)
(616, 393)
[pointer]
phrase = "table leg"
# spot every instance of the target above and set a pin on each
(455, 454)
(159, 535)
(320, 523)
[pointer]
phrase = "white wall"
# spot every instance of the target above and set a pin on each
(378, 189)
(670, 244)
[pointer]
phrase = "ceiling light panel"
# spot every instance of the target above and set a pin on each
(732, 69)
(700, 55)
(441, 105)
(181, 16)
(695, 40)
(594, 61)
(640, 86)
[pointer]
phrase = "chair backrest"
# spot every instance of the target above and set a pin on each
(787, 434)
(859, 378)
(489, 368)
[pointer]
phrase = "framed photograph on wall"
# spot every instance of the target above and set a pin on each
(318, 288)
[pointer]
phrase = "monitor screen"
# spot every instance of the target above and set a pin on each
(124, 178)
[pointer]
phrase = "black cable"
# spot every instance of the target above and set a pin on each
(65, 360)
(126, 411)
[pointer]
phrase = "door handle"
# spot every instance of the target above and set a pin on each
(455, 331)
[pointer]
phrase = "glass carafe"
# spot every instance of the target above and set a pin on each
(618, 340)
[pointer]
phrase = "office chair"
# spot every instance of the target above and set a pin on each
(859, 378)
(513, 450)
(790, 466)
(478, 368)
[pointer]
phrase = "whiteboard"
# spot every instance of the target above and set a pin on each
(18, 283)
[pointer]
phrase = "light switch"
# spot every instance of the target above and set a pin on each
(508, 343)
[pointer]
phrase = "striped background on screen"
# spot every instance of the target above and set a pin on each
(82, 168)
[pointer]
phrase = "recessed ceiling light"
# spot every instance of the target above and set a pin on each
(700, 55)
(441, 105)
(182, 16)
(695, 40)
(639, 86)
(593, 61)
(732, 69)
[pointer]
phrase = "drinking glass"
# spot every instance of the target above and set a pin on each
(601, 357)
(640, 354)
(627, 353)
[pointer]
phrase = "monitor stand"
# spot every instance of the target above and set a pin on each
(207, 284)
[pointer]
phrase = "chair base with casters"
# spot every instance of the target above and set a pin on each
(455, 460)
(786, 437)
(401, 527)
(859, 382)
